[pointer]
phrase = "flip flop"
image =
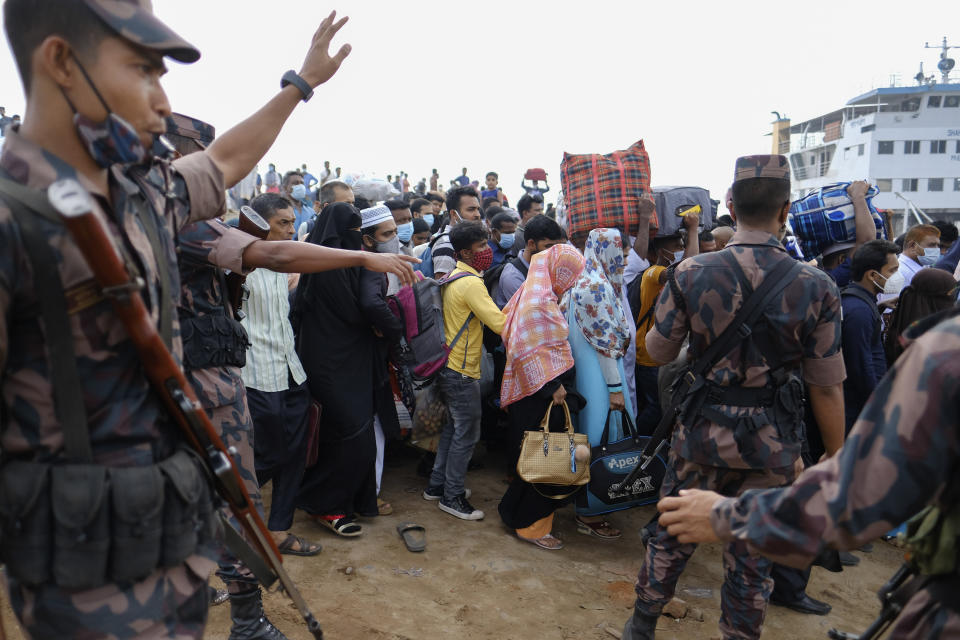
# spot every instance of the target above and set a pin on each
(384, 507)
(540, 542)
(346, 527)
(414, 536)
(595, 529)
(306, 548)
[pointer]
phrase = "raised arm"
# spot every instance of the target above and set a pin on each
(865, 229)
(289, 256)
(238, 150)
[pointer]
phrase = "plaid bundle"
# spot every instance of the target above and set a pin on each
(603, 190)
(825, 217)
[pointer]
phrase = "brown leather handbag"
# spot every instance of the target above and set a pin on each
(548, 458)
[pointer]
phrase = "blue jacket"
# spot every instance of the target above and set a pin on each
(862, 352)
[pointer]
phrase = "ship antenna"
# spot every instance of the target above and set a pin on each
(946, 64)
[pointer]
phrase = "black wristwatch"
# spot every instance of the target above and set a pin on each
(291, 77)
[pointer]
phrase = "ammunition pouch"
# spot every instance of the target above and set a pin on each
(213, 341)
(81, 526)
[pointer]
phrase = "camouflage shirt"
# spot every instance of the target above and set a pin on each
(125, 418)
(902, 454)
(804, 329)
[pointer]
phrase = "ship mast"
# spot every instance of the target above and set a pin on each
(946, 64)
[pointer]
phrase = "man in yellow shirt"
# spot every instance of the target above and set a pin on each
(664, 251)
(465, 301)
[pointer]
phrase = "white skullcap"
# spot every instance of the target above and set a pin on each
(375, 215)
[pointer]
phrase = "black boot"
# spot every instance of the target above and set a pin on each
(249, 620)
(640, 626)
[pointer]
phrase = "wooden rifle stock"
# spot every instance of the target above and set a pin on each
(253, 223)
(74, 204)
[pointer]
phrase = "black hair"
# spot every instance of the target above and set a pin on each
(361, 203)
(871, 256)
(288, 175)
(267, 204)
(658, 241)
(420, 225)
(540, 227)
(395, 205)
(492, 173)
(759, 200)
(434, 197)
(948, 231)
(706, 236)
(501, 219)
(419, 204)
(29, 22)
(489, 202)
(454, 196)
(466, 234)
(525, 203)
(725, 221)
(492, 211)
(327, 191)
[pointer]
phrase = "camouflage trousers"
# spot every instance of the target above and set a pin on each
(747, 583)
(924, 616)
(224, 399)
(169, 604)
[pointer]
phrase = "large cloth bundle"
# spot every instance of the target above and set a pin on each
(825, 217)
(603, 190)
(672, 200)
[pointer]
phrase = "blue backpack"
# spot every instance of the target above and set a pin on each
(426, 258)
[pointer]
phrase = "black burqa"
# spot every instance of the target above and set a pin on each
(336, 346)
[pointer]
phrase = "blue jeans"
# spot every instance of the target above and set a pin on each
(460, 435)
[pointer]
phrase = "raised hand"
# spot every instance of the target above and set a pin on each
(397, 264)
(319, 66)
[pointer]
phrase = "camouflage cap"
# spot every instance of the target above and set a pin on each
(134, 21)
(768, 166)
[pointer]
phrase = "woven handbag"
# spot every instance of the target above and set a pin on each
(548, 458)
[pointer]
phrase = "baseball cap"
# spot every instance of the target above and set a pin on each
(134, 21)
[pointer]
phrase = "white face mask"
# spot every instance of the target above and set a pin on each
(894, 284)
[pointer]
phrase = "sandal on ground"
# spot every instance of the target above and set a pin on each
(384, 507)
(294, 545)
(344, 526)
(548, 542)
(603, 529)
(414, 536)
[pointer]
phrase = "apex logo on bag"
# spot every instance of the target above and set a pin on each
(622, 463)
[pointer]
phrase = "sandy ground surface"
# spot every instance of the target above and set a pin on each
(478, 581)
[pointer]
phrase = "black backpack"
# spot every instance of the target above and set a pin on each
(491, 277)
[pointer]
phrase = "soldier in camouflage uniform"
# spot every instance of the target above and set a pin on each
(901, 454)
(746, 432)
(91, 71)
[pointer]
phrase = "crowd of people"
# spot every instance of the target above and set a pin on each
(784, 386)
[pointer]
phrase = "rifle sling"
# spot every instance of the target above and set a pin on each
(738, 329)
(61, 357)
(149, 222)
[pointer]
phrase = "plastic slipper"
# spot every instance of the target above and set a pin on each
(543, 545)
(414, 536)
(384, 508)
(346, 527)
(306, 548)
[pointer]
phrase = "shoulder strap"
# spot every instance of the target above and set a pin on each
(858, 292)
(520, 266)
(747, 314)
(61, 359)
(148, 218)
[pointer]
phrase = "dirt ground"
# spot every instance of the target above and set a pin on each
(477, 581)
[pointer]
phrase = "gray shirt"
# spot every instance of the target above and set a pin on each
(511, 279)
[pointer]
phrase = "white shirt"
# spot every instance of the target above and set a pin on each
(271, 358)
(909, 268)
(635, 266)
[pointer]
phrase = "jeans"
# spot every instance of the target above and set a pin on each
(460, 435)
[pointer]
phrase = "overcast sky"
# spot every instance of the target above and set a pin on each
(508, 85)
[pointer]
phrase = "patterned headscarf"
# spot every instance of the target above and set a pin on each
(597, 295)
(535, 333)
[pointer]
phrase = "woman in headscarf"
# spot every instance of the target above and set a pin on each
(539, 371)
(336, 346)
(599, 338)
(931, 291)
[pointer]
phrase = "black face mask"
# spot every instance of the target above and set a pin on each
(352, 240)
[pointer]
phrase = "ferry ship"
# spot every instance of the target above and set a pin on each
(905, 140)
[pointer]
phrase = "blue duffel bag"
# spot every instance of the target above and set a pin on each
(825, 217)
